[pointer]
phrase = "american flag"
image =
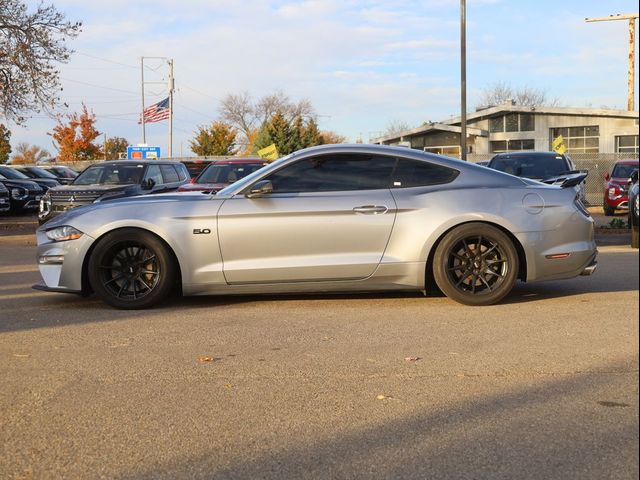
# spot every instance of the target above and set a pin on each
(156, 112)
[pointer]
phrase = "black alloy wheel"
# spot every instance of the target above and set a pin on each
(476, 264)
(131, 269)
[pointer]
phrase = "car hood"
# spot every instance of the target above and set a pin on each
(30, 184)
(95, 188)
(132, 205)
(202, 186)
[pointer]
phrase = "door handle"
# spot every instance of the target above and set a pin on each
(371, 209)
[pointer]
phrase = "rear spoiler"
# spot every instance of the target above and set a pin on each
(569, 179)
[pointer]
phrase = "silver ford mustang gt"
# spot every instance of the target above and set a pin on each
(334, 218)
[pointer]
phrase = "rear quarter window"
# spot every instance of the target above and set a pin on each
(169, 174)
(414, 173)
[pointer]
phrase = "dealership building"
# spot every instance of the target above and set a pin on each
(510, 127)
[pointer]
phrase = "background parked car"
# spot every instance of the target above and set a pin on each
(63, 174)
(24, 195)
(545, 167)
(110, 180)
(634, 207)
(616, 194)
(5, 204)
(15, 174)
(218, 175)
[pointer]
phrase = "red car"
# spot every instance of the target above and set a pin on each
(218, 175)
(616, 194)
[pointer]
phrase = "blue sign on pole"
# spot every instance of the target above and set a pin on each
(134, 153)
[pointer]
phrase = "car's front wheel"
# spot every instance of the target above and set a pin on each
(475, 264)
(131, 269)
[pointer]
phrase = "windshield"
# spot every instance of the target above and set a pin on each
(12, 173)
(111, 175)
(64, 172)
(251, 177)
(227, 173)
(40, 173)
(538, 166)
(623, 171)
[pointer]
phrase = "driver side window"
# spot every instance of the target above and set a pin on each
(153, 173)
(330, 173)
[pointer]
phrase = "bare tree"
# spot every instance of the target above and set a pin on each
(395, 127)
(501, 92)
(247, 115)
(30, 46)
(239, 111)
(28, 154)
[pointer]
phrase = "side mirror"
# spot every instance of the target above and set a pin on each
(148, 184)
(263, 187)
(607, 176)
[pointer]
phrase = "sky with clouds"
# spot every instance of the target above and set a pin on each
(362, 64)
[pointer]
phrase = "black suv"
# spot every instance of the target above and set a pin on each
(542, 166)
(24, 195)
(15, 174)
(5, 204)
(109, 180)
(38, 173)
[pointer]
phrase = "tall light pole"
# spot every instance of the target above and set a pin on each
(463, 81)
(632, 51)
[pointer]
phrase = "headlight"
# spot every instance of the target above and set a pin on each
(19, 193)
(63, 233)
(45, 205)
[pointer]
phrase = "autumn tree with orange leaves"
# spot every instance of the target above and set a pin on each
(75, 139)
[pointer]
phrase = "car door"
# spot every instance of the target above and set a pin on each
(329, 217)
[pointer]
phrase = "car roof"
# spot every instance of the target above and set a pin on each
(627, 162)
(226, 161)
(136, 162)
(529, 153)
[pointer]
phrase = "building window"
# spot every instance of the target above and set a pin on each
(513, 122)
(627, 144)
(500, 146)
(578, 139)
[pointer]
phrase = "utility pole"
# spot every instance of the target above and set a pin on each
(144, 136)
(632, 51)
(105, 145)
(171, 88)
(463, 81)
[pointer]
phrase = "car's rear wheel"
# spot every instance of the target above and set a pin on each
(475, 264)
(131, 269)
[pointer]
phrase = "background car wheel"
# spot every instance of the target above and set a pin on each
(131, 269)
(608, 211)
(475, 264)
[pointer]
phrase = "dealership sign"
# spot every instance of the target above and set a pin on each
(140, 153)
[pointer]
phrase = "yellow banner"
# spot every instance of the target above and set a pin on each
(269, 153)
(558, 145)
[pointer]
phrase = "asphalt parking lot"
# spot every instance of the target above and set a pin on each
(543, 385)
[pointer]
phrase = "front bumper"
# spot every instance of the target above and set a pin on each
(60, 263)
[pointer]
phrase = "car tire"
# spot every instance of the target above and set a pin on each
(132, 269)
(608, 211)
(475, 264)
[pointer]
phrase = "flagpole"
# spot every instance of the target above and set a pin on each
(170, 108)
(144, 136)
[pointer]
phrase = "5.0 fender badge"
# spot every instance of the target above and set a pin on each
(201, 231)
